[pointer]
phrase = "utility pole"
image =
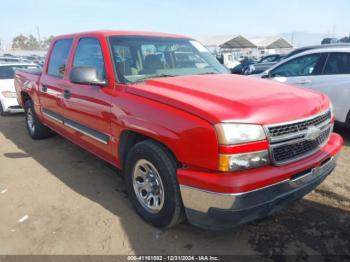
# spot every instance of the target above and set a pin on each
(38, 33)
(334, 30)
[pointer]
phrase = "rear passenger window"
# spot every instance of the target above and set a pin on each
(89, 53)
(337, 63)
(59, 57)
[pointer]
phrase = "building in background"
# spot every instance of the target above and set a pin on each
(229, 49)
(240, 46)
(235, 44)
(270, 46)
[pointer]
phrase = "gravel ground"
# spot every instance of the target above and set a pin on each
(55, 198)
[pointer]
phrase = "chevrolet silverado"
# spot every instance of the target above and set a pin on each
(193, 141)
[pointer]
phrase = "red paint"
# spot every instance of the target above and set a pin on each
(255, 178)
(244, 148)
(227, 97)
(180, 113)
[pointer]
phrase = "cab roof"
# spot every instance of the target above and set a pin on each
(107, 33)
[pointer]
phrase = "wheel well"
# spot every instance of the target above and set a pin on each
(24, 97)
(130, 138)
(347, 121)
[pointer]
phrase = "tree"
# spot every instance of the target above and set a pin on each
(32, 43)
(46, 42)
(19, 42)
(345, 39)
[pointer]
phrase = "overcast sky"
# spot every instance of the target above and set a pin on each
(191, 17)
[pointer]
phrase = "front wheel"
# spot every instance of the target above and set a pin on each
(151, 181)
(35, 128)
(2, 113)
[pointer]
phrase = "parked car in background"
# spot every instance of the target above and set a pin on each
(238, 69)
(306, 48)
(326, 70)
(243, 65)
(8, 100)
(192, 140)
(265, 63)
(251, 66)
(9, 59)
(36, 59)
(270, 58)
(329, 40)
(228, 60)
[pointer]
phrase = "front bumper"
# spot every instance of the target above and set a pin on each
(218, 210)
(10, 105)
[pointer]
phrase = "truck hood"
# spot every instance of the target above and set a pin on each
(231, 98)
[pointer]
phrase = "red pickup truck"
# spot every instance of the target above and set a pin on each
(193, 141)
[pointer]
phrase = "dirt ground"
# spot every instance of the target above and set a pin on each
(55, 198)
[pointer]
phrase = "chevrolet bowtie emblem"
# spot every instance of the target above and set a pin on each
(312, 133)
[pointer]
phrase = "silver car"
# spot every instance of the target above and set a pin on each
(324, 70)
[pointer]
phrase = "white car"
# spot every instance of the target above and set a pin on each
(325, 70)
(8, 100)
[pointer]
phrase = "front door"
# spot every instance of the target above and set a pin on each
(301, 71)
(87, 107)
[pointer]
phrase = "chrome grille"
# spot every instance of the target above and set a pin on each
(290, 151)
(292, 141)
(300, 126)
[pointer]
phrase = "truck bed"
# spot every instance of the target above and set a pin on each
(26, 79)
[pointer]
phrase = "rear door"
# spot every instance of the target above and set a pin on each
(53, 82)
(334, 81)
(87, 108)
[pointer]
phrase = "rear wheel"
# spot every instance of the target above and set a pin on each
(151, 181)
(35, 128)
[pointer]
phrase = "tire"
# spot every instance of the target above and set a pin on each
(35, 128)
(2, 113)
(347, 121)
(167, 212)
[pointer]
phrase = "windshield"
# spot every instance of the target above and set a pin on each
(8, 71)
(137, 59)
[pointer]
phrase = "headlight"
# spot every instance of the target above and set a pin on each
(9, 94)
(243, 161)
(231, 134)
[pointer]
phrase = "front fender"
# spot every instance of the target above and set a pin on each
(192, 140)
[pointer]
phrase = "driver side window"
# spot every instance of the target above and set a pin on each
(89, 53)
(301, 66)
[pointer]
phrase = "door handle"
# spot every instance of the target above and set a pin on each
(44, 88)
(304, 82)
(66, 94)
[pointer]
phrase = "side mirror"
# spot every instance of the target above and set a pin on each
(85, 75)
(267, 74)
